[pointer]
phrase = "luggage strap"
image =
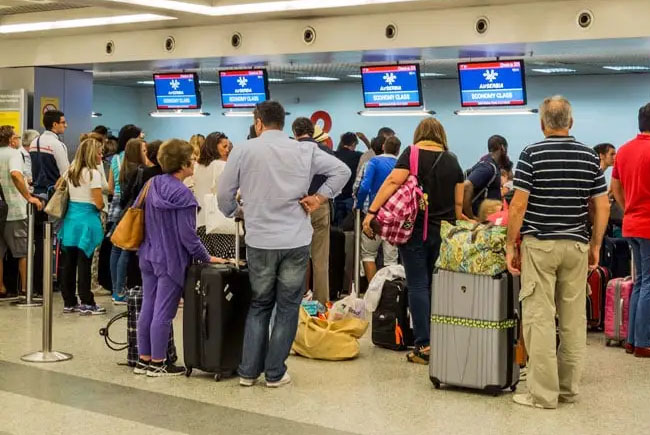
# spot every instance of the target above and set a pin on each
(474, 323)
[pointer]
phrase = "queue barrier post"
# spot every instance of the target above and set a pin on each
(47, 354)
(30, 301)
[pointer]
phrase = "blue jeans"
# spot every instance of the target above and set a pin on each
(119, 269)
(639, 327)
(419, 258)
(277, 279)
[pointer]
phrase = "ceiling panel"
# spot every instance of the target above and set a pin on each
(17, 7)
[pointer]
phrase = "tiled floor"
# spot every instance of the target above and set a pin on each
(379, 393)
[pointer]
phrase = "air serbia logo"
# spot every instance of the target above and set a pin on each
(175, 84)
(491, 75)
(390, 78)
(243, 89)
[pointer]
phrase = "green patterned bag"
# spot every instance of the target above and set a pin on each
(479, 249)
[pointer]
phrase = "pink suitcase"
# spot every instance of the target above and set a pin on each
(617, 310)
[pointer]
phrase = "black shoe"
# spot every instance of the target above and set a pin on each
(164, 368)
(141, 367)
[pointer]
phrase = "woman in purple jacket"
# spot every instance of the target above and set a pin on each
(170, 243)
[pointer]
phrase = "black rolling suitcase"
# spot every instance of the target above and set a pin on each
(217, 298)
(337, 263)
(391, 322)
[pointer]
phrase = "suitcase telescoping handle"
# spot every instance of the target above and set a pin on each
(238, 224)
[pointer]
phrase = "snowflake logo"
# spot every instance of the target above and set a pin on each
(243, 81)
(175, 84)
(490, 75)
(390, 78)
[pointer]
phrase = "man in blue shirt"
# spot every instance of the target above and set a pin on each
(273, 173)
(377, 170)
(484, 179)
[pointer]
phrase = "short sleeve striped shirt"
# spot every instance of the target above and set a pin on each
(561, 175)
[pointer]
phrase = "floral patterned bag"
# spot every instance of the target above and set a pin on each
(479, 249)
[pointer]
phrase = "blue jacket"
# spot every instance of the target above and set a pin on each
(377, 170)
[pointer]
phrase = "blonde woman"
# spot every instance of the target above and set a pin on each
(82, 231)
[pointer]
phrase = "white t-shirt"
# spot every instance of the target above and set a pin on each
(206, 179)
(12, 161)
(83, 192)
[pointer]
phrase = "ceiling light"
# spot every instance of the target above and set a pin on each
(146, 82)
(178, 114)
(422, 112)
(95, 115)
(432, 74)
(495, 112)
(319, 79)
(238, 114)
(207, 82)
(553, 70)
(271, 79)
(628, 68)
(354, 76)
(255, 8)
(151, 82)
(81, 22)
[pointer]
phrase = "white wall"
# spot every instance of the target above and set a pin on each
(605, 110)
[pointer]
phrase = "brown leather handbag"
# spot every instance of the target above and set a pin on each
(129, 233)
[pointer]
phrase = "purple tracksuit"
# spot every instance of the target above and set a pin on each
(170, 242)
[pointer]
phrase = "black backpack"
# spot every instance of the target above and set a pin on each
(391, 321)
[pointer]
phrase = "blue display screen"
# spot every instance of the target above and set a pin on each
(177, 91)
(492, 83)
(391, 86)
(244, 88)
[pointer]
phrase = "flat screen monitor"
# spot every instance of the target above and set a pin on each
(391, 86)
(177, 91)
(243, 88)
(496, 83)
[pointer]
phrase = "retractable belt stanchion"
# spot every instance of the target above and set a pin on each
(47, 354)
(357, 249)
(30, 301)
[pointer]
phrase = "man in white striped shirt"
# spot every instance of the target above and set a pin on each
(555, 181)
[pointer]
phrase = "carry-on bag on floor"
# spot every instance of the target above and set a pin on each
(617, 310)
(217, 298)
(474, 331)
(132, 313)
(391, 321)
(596, 285)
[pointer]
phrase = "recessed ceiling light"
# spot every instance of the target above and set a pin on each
(553, 70)
(254, 8)
(432, 74)
(319, 79)
(273, 79)
(207, 82)
(81, 22)
(146, 82)
(354, 76)
(627, 68)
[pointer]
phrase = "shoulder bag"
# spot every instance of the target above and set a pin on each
(57, 206)
(129, 233)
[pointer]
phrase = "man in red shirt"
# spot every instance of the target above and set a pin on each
(631, 188)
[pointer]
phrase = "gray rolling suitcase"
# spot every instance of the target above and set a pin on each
(474, 331)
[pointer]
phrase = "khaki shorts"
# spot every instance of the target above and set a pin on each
(370, 248)
(14, 238)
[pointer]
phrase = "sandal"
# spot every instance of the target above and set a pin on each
(419, 355)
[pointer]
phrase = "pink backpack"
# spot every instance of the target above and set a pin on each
(396, 218)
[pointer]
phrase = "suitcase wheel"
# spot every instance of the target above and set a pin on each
(513, 388)
(217, 377)
(436, 383)
(608, 343)
(188, 372)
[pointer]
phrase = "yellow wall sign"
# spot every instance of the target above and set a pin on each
(11, 117)
(47, 104)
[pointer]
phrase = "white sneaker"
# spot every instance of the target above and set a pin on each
(286, 379)
(526, 399)
(245, 382)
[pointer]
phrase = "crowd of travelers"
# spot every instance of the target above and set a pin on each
(290, 189)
